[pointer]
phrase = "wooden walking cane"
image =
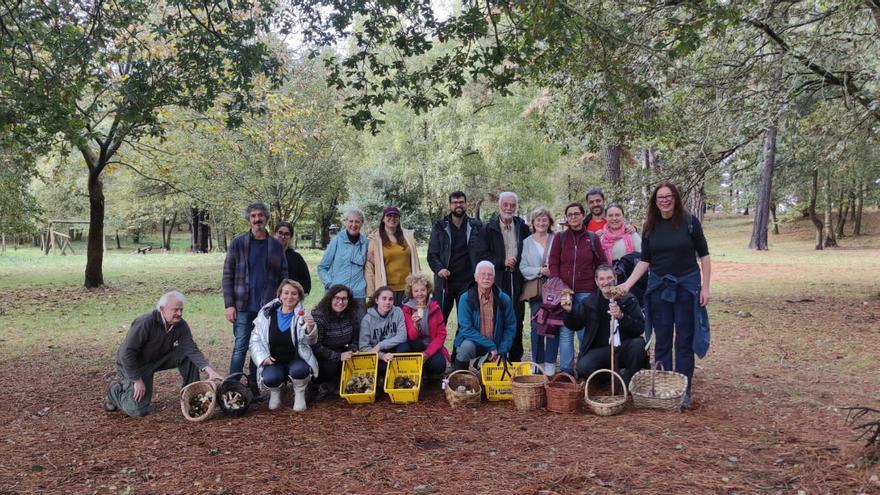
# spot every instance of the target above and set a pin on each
(613, 331)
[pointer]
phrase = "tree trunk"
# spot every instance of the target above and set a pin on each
(612, 165)
(118, 242)
(765, 193)
(830, 241)
(852, 205)
(194, 229)
(775, 221)
(94, 276)
(860, 201)
(163, 231)
(205, 233)
(3, 236)
(696, 201)
(166, 239)
(814, 193)
(842, 212)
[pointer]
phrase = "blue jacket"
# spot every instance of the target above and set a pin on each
(343, 263)
(668, 285)
(469, 321)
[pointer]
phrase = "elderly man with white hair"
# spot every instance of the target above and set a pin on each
(486, 321)
(158, 340)
(501, 242)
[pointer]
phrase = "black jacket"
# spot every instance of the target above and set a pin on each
(585, 315)
(298, 270)
(440, 247)
(491, 248)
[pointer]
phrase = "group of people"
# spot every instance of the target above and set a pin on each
(377, 298)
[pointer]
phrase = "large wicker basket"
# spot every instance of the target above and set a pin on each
(605, 405)
(563, 396)
(528, 390)
(193, 389)
(658, 389)
(467, 379)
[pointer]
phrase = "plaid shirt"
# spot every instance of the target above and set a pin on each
(235, 271)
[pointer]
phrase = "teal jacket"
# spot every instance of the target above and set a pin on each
(469, 321)
(343, 263)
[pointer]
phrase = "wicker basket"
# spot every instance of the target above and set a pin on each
(232, 384)
(528, 390)
(563, 396)
(655, 389)
(465, 378)
(605, 405)
(193, 389)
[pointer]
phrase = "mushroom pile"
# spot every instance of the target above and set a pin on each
(199, 404)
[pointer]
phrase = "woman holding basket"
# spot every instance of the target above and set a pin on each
(678, 287)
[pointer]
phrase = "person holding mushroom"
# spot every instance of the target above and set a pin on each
(281, 343)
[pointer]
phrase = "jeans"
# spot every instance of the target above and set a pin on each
(469, 350)
(241, 330)
(544, 349)
(566, 339)
(276, 374)
(680, 315)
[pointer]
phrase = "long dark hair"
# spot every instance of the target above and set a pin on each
(384, 235)
(653, 212)
(326, 308)
(375, 297)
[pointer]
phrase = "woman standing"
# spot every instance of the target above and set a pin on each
(296, 265)
(338, 331)
(280, 342)
(534, 270)
(676, 298)
(391, 255)
(622, 246)
(425, 329)
(574, 256)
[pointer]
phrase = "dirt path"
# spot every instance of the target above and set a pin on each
(767, 420)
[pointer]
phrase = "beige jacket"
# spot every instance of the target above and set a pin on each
(374, 270)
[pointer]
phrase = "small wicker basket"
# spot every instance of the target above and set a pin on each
(467, 379)
(653, 389)
(605, 405)
(193, 389)
(528, 390)
(563, 396)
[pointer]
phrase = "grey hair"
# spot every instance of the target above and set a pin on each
(507, 194)
(167, 297)
(354, 211)
(255, 206)
(484, 264)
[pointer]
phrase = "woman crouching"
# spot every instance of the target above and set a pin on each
(425, 329)
(281, 343)
(383, 329)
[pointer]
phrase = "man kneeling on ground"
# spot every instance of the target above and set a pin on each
(594, 315)
(158, 340)
(486, 321)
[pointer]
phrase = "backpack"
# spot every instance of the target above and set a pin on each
(549, 317)
(624, 267)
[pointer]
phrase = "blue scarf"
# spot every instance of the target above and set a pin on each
(285, 320)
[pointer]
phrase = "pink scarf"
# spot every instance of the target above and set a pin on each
(609, 237)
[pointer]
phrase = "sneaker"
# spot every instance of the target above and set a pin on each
(108, 404)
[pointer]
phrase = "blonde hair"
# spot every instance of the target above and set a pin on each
(296, 285)
(541, 211)
(418, 278)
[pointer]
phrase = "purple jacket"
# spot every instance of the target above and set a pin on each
(235, 271)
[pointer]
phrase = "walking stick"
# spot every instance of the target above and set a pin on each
(612, 341)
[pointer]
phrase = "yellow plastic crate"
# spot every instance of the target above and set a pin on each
(496, 388)
(361, 364)
(404, 364)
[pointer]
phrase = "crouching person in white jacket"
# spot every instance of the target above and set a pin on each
(281, 344)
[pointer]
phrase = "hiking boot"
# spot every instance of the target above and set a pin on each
(108, 404)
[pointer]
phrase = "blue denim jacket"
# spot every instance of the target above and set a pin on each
(668, 285)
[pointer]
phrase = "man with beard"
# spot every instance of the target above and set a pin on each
(595, 220)
(501, 242)
(451, 253)
(255, 265)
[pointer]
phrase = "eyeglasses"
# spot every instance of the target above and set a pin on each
(340, 299)
(283, 233)
(573, 214)
(668, 197)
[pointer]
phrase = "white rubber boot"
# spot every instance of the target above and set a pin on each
(275, 398)
(299, 393)
(550, 369)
